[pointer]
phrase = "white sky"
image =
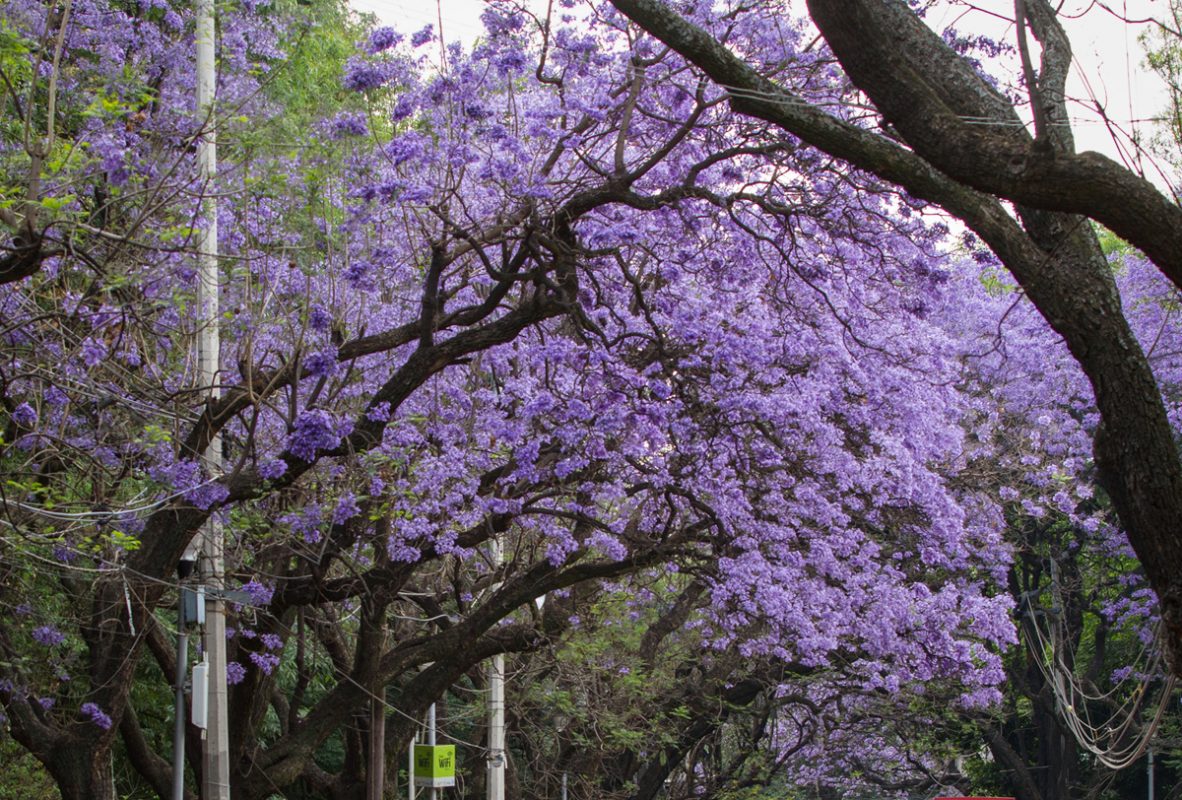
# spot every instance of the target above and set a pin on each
(1109, 58)
(1109, 69)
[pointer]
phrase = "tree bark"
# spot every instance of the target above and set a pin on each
(82, 771)
(938, 103)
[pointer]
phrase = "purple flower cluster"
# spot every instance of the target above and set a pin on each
(24, 415)
(382, 39)
(260, 594)
(272, 468)
(48, 636)
(347, 123)
(363, 74)
(346, 509)
(266, 662)
(235, 673)
(316, 430)
(422, 36)
(322, 363)
(96, 715)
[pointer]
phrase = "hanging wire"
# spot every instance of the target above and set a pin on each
(1115, 742)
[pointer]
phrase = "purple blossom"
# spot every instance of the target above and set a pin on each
(207, 495)
(347, 123)
(260, 594)
(498, 22)
(24, 415)
(272, 468)
(322, 363)
(320, 318)
(265, 661)
(357, 274)
(96, 715)
(306, 523)
(235, 673)
(408, 146)
(422, 36)
(271, 641)
(346, 509)
(382, 39)
(362, 75)
(48, 636)
(512, 61)
(316, 430)
(404, 106)
(378, 412)
(93, 352)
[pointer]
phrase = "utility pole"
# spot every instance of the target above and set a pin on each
(178, 728)
(496, 707)
(216, 757)
(432, 792)
(184, 568)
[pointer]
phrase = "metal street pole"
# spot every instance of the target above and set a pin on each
(216, 758)
(496, 707)
(496, 728)
(178, 729)
(432, 793)
(410, 768)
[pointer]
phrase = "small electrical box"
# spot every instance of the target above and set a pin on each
(194, 606)
(199, 707)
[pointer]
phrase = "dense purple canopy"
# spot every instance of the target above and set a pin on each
(555, 290)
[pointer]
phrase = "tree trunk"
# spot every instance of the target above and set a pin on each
(82, 771)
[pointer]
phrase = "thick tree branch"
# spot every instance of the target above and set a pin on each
(952, 118)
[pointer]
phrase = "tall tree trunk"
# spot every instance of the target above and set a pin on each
(82, 771)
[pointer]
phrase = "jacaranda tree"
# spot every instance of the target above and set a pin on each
(550, 292)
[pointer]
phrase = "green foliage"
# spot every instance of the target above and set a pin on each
(310, 80)
(21, 776)
(1164, 56)
(1111, 244)
(306, 86)
(997, 282)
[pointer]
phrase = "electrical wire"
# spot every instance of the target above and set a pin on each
(1104, 740)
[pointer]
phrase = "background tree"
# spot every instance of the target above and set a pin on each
(1162, 46)
(592, 314)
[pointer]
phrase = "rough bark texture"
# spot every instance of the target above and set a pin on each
(955, 120)
(925, 91)
(82, 771)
